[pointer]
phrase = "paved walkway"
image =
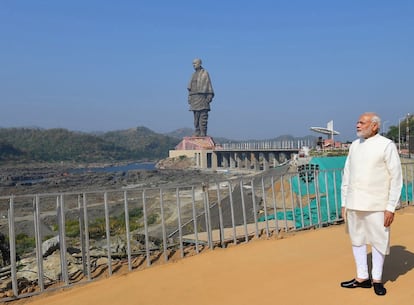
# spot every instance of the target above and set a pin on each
(302, 268)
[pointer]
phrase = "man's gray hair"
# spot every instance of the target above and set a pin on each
(376, 119)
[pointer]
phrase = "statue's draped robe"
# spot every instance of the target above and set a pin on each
(200, 91)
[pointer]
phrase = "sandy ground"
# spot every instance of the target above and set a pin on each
(302, 268)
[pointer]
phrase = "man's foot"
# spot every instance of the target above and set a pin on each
(379, 289)
(355, 284)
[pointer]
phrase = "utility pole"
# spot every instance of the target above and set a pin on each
(407, 137)
(399, 134)
(383, 127)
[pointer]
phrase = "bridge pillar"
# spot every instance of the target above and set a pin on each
(265, 161)
(255, 161)
(223, 160)
(238, 160)
(247, 161)
(232, 157)
(282, 157)
(227, 160)
(273, 159)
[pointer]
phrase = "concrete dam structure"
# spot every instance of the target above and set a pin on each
(257, 155)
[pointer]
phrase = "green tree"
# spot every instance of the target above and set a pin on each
(401, 130)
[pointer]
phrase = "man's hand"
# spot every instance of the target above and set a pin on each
(388, 218)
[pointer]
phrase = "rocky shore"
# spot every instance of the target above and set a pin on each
(55, 178)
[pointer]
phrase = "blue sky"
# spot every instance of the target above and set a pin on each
(277, 67)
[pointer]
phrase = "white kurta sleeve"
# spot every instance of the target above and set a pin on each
(393, 162)
(345, 182)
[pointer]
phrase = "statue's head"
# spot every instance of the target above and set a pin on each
(197, 63)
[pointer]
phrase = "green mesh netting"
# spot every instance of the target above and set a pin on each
(407, 192)
(325, 175)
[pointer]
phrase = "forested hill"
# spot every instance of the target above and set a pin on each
(52, 145)
(55, 145)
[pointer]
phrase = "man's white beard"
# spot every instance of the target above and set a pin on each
(363, 133)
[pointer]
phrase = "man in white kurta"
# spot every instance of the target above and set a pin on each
(370, 192)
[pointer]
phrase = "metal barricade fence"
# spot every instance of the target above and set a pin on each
(61, 239)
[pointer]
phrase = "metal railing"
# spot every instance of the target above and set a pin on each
(106, 232)
(267, 145)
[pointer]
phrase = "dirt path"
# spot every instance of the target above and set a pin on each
(305, 268)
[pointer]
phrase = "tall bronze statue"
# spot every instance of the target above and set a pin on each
(200, 95)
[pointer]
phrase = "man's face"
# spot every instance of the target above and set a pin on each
(196, 64)
(365, 127)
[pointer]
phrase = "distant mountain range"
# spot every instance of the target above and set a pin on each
(187, 132)
(57, 144)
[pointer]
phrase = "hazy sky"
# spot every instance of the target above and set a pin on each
(277, 67)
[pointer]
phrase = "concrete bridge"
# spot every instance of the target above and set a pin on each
(257, 155)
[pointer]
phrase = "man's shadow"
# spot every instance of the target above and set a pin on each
(399, 262)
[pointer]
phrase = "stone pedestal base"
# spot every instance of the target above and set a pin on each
(196, 143)
(199, 148)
